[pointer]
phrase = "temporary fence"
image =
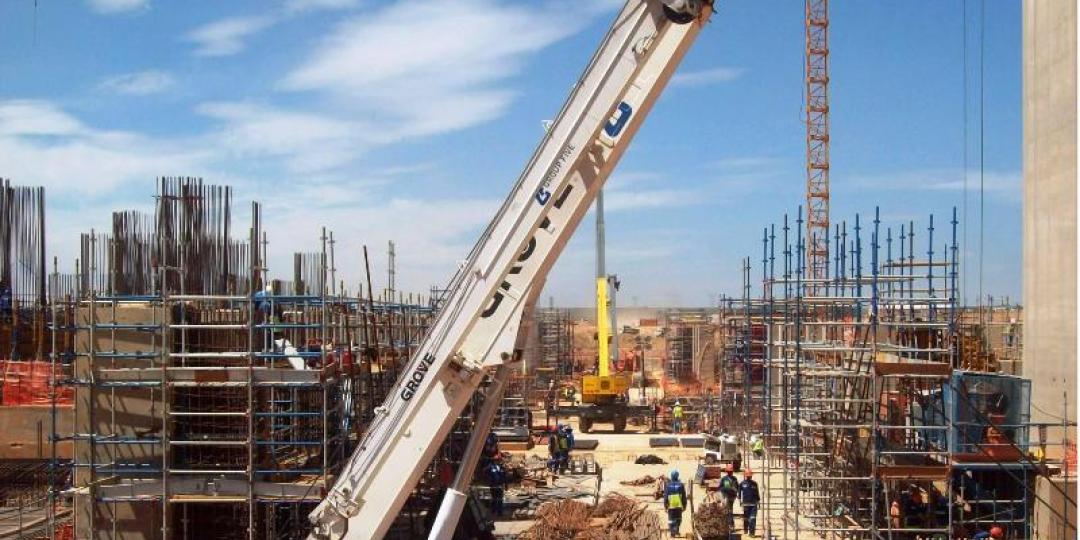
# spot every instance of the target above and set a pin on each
(28, 383)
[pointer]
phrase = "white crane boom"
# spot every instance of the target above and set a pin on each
(478, 323)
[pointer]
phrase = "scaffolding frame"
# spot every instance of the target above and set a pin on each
(200, 389)
(845, 355)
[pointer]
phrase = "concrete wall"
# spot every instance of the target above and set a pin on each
(1050, 525)
(24, 432)
(1050, 207)
(121, 412)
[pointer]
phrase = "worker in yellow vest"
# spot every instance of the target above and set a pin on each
(757, 446)
(676, 417)
(674, 503)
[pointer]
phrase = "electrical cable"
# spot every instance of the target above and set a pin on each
(982, 149)
(964, 217)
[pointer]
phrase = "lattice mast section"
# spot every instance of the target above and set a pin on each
(817, 139)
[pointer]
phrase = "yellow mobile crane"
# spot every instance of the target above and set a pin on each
(604, 395)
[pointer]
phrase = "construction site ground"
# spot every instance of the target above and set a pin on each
(616, 453)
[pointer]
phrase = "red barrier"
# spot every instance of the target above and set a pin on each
(27, 383)
(65, 531)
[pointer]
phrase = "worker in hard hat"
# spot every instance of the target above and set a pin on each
(749, 497)
(995, 533)
(6, 303)
(676, 417)
(729, 488)
(568, 443)
(553, 448)
(560, 447)
(491, 449)
(674, 503)
(896, 515)
(497, 480)
(757, 446)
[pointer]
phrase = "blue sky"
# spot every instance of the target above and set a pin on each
(391, 120)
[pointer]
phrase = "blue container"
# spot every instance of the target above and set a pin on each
(977, 399)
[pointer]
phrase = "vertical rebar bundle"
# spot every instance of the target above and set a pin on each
(193, 247)
(22, 243)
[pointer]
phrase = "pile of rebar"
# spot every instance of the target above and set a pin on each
(617, 517)
(559, 520)
(612, 504)
(643, 481)
(712, 520)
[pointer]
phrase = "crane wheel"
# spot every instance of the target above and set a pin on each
(620, 424)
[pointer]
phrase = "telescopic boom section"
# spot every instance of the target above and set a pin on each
(478, 323)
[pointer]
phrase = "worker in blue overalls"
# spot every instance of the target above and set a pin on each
(749, 497)
(553, 437)
(6, 304)
(674, 502)
(497, 480)
(566, 444)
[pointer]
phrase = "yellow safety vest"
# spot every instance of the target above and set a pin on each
(677, 411)
(564, 443)
(674, 501)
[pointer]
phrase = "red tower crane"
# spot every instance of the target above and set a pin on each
(817, 139)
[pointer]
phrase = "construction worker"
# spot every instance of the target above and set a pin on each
(729, 488)
(560, 447)
(995, 532)
(497, 480)
(749, 497)
(553, 448)
(676, 417)
(491, 449)
(6, 305)
(757, 446)
(674, 503)
(567, 444)
(563, 443)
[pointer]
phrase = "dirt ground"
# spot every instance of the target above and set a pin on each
(616, 453)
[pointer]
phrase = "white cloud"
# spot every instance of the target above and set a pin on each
(40, 144)
(89, 172)
(622, 180)
(227, 36)
(380, 66)
(117, 6)
(617, 200)
(1002, 183)
(295, 6)
(744, 162)
(706, 77)
(307, 142)
(34, 117)
(141, 83)
(431, 235)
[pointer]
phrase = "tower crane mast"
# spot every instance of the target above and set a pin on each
(817, 141)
